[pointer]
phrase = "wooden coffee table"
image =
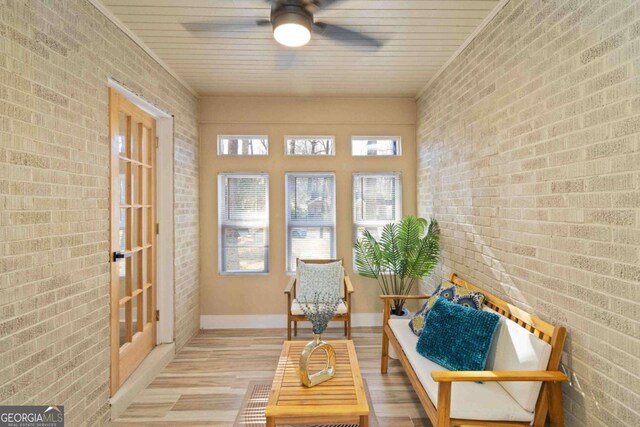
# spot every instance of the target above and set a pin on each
(342, 399)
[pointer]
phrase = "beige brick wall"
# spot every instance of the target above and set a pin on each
(529, 155)
(55, 59)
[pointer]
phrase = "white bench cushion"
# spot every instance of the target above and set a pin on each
(469, 400)
(516, 349)
(296, 310)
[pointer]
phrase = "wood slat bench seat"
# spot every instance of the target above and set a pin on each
(549, 400)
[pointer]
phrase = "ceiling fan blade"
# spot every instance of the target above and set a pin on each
(323, 4)
(312, 6)
(263, 22)
(345, 35)
(219, 26)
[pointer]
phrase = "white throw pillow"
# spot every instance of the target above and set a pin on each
(516, 349)
(313, 278)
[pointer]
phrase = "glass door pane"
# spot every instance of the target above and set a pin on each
(134, 316)
(132, 225)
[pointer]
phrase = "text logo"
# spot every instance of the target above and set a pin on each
(31, 416)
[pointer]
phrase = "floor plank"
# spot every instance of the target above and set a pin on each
(205, 383)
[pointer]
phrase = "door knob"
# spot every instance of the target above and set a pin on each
(121, 255)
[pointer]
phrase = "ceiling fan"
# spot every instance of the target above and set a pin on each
(293, 23)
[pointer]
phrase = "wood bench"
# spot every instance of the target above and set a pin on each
(549, 400)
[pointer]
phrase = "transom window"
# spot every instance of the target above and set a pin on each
(243, 145)
(310, 145)
(311, 216)
(375, 146)
(243, 220)
(377, 200)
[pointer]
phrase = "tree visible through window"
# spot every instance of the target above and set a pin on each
(310, 145)
(311, 217)
(375, 146)
(238, 145)
(377, 200)
(243, 220)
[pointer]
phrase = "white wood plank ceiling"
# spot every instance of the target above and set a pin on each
(418, 37)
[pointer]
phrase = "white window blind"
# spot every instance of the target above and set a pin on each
(310, 145)
(311, 217)
(375, 146)
(377, 200)
(243, 220)
(243, 145)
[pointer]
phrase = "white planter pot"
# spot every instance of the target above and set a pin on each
(405, 315)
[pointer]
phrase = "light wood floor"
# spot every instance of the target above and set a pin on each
(206, 382)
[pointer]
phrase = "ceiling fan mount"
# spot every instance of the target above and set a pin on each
(292, 23)
(287, 9)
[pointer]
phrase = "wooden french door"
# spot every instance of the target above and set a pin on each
(133, 232)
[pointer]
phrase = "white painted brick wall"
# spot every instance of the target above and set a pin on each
(55, 59)
(529, 156)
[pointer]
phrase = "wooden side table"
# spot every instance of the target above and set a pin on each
(342, 399)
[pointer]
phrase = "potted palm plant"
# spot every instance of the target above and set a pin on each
(404, 253)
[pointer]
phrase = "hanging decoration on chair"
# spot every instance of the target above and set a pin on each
(319, 312)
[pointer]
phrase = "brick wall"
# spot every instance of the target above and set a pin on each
(529, 155)
(55, 59)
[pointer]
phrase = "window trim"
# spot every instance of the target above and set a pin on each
(255, 224)
(354, 222)
(243, 136)
(332, 224)
(331, 137)
(372, 137)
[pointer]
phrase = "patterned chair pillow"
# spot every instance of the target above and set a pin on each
(450, 292)
(323, 279)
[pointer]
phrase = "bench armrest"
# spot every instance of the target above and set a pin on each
(348, 285)
(388, 297)
(290, 285)
(454, 376)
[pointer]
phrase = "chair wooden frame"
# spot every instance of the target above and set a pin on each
(290, 292)
(550, 398)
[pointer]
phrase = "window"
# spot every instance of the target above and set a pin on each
(311, 217)
(310, 145)
(243, 221)
(377, 200)
(243, 145)
(375, 146)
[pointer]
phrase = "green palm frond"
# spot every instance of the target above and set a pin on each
(391, 254)
(368, 256)
(403, 254)
(409, 232)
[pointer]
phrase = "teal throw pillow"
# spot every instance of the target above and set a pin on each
(456, 337)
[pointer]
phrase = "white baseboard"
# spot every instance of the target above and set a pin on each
(159, 357)
(269, 321)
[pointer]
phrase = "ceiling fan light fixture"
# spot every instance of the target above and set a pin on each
(292, 29)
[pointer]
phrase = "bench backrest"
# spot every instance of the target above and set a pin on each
(554, 335)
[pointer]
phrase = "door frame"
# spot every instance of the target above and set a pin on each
(165, 244)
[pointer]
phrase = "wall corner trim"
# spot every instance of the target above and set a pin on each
(501, 4)
(106, 12)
